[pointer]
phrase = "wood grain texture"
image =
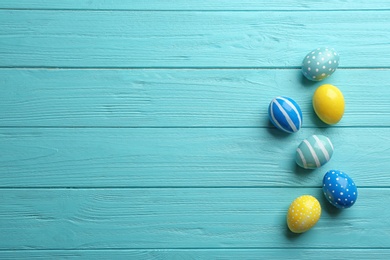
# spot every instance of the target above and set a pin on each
(235, 5)
(179, 254)
(190, 157)
(139, 130)
(180, 98)
(189, 39)
(185, 218)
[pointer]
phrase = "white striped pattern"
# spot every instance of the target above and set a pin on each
(274, 119)
(313, 153)
(289, 121)
(302, 158)
(331, 145)
(322, 147)
(294, 108)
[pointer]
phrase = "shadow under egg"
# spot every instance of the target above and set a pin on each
(291, 235)
(306, 82)
(298, 170)
(316, 120)
(326, 206)
(277, 133)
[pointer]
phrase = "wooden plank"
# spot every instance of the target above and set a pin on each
(183, 218)
(225, 253)
(189, 39)
(186, 157)
(180, 98)
(198, 5)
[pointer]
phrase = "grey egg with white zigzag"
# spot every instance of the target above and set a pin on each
(314, 152)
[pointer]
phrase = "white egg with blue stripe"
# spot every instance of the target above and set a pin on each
(285, 114)
(314, 152)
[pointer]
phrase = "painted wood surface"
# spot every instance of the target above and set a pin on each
(139, 129)
(184, 218)
(189, 39)
(190, 157)
(180, 98)
(179, 254)
(203, 5)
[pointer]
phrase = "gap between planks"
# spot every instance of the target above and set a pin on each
(198, 248)
(193, 10)
(178, 68)
(180, 127)
(174, 187)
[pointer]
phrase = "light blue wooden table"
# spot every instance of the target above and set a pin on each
(139, 129)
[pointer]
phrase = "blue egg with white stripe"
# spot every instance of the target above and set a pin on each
(285, 114)
(314, 152)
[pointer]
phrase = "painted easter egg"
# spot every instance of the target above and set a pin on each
(329, 104)
(285, 114)
(339, 189)
(320, 63)
(303, 213)
(314, 152)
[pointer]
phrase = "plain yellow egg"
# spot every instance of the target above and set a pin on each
(303, 214)
(329, 104)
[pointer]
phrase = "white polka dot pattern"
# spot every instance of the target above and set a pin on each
(320, 64)
(303, 214)
(339, 189)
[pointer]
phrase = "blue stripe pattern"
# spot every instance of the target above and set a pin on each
(285, 114)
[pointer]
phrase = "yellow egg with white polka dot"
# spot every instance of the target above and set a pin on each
(303, 214)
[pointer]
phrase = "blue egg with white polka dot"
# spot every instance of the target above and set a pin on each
(285, 114)
(320, 63)
(339, 189)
